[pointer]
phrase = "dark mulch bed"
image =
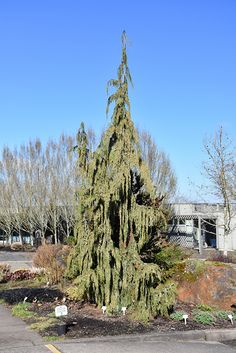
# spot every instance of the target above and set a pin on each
(16, 295)
(86, 320)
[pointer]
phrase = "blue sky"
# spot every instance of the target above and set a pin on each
(56, 57)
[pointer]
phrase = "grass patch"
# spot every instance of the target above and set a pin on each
(43, 324)
(22, 310)
(52, 314)
(2, 301)
(27, 283)
(53, 338)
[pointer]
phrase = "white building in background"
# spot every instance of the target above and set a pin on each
(201, 225)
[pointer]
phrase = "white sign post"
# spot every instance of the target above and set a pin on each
(123, 309)
(231, 318)
(185, 317)
(61, 310)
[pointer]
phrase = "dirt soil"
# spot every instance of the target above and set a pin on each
(87, 320)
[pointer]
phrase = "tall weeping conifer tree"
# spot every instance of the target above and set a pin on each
(118, 216)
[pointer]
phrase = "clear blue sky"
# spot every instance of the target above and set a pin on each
(56, 57)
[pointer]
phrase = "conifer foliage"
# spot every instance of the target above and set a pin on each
(118, 216)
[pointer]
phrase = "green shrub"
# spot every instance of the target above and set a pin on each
(222, 314)
(203, 317)
(205, 307)
(140, 314)
(74, 293)
(177, 315)
(169, 256)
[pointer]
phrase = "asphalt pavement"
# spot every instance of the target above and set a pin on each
(16, 337)
(144, 347)
(17, 260)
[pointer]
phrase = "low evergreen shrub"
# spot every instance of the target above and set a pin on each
(205, 307)
(177, 315)
(221, 314)
(169, 256)
(203, 317)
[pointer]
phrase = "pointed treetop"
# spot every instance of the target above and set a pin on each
(120, 97)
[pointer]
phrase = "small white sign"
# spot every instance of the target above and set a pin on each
(123, 309)
(104, 308)
(61, 310)
(185, 317)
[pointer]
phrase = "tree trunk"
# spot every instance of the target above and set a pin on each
(225, 251)
(20, 236)
(31, 239)
(10, 238)
(55, 226)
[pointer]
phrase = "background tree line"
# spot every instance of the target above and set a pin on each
(38, 185)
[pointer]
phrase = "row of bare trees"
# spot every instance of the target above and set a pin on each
(38, 185)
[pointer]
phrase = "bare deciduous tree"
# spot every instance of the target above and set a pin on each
(219, 169)
(162, 173)
(6, 214)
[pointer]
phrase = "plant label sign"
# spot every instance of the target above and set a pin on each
(61, 310)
